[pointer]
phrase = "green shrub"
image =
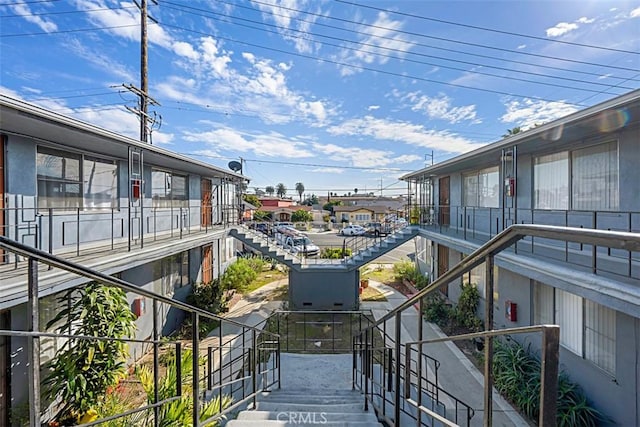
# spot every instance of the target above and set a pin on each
(238, 275)
(436, 310)
(465, 311)
(517, 377)
(335, 253)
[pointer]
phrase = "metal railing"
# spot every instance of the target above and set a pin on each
(350, 247)
(80, 231)
(481, 224)
(237, 366)
(608, 239)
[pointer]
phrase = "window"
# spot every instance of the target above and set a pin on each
(592, 184)
(100, 183)
(168, 190)
(59, 184)
(478, 276)
(363, 217)
(587, 329)
(481, 188)
(171, 273)
(69, 180)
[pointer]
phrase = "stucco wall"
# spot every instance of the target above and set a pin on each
(324, 290)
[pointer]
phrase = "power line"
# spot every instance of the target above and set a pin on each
(77, 30)
(65, 12)
(431, 56)
(442, 21)
(363, 68)
(424, 36)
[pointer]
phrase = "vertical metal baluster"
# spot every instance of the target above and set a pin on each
(195, 327)
(488, 345)
(33, 344)
(396, 400)
(156, 365)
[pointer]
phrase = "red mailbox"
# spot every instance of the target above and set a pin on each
(139, 306)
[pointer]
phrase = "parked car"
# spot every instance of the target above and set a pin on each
(353, 230)
(377, 229)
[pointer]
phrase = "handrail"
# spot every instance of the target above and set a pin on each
(612, 239)
(54, 261)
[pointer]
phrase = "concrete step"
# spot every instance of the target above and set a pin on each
(295, 421)
(315, 400)
(369, 417)
(303, 407)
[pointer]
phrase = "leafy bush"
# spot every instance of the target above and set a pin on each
(407, 270)
(83, 370)
(301, 216)
(335, 253)
(436, 310)
(517, 377)
(208, 296)
(465, 311)
(238, 275)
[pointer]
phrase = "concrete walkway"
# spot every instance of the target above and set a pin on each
(457, 375)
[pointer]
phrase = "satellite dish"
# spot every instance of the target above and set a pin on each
(235, 166)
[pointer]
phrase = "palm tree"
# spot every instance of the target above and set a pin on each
(281, 190)
(270, 190)
(355, 190)
(511, 132)
(300, 189)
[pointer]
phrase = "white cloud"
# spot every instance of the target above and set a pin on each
(635, 13)
(9, 92)
(231, 140)
(99, 60)
(381, 38)
(363, 157)
(23, 10)
(403, 132)
(328, 170)
(373, 107)
(522, 46)
(585, 20)
(441, 108)
(561, 28)
(528, 112)
(290, 21)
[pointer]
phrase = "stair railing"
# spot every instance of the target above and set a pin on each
(247, 354)
(485, 254)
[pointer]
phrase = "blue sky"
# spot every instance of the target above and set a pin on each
(337, 95)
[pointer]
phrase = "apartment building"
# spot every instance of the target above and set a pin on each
(580, 171)
(139, 212)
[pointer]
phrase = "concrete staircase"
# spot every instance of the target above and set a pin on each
(315, 390)
(379, 247)
(307, 407)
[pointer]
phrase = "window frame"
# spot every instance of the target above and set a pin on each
(81, 201)
(168, 199)
(480, 193)
(570, 155)
(587, 334)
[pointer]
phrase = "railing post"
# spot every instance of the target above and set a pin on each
(365, 368)
(156, 365)
(419, 362)
(209, 368)
(78, 232)
(254, 361)
(195, 340)
(488, 345)
(549, 374)
(179, 369)
(396, 400)
(33, 344)
(50, 231)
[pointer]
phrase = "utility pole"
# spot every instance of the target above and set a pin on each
(143, 92)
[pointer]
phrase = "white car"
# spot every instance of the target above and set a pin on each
(353, 230)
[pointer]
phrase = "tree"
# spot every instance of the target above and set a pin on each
(258, 191)
(270, 190)
(300, 189)
(260, 215)
(301, 216)
(84, 369)
(355, 190)
(311, 200)
(253, 199)
(329, 206)
(281, 190)
(511, 132)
